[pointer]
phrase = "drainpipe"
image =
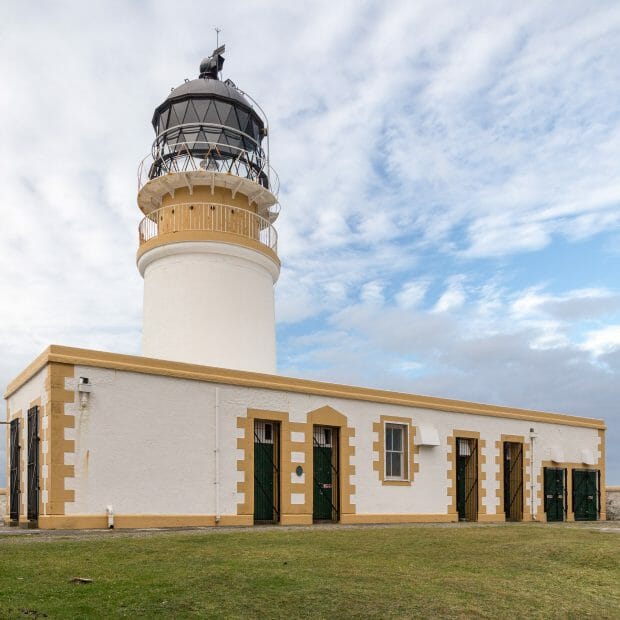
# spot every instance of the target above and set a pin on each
(217, 455)
(110, 512)
(532, 483)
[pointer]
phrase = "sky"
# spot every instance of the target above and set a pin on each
(450, 193)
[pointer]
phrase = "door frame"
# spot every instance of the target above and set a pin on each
(328, 416)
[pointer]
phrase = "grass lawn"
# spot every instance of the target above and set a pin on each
(457, 572)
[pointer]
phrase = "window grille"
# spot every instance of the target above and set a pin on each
(323, 436)
(264, 432)
(464, 446)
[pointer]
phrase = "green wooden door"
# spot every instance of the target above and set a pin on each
(325, 474)
(585, 494)
(554, 493)
(266, 472)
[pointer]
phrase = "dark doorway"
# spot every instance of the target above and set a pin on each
(266, 471)
(14, 491)
(555, 493)
(513, 481)
(33, 465)
(585, 494)
(326, 481)
(467, 478)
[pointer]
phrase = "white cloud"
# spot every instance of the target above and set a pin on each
(453, 297)
(603, 340)
(412, 294)
(372, 293)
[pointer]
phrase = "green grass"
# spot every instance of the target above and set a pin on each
(457, 572)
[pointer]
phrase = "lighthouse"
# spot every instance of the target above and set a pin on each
(232, 442)
(207, 246)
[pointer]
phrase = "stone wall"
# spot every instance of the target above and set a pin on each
(613, 503)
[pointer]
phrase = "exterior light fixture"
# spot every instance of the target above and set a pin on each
(84, 388)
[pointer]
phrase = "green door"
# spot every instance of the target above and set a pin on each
(325, 474)
(461, 466)
(554, 493)
(266, 472)
(585, 494)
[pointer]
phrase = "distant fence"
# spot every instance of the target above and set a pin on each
(613, 503)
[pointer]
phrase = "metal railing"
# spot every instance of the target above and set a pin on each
(208, 156)
(208, 217)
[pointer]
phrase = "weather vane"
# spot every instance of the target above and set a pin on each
(217, 36)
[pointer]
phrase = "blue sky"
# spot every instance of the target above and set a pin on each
(450, 188)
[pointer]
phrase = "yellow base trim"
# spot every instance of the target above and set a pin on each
(79, 522)
(424, 518)
(302, 519)
(500, 518)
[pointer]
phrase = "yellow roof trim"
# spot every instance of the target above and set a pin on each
(134, 363)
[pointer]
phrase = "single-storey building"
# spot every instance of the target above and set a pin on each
(100, 439)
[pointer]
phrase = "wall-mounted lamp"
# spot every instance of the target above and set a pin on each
(84, 388)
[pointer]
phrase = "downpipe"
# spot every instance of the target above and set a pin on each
(110, 513)
(217, 455)
(532, 479)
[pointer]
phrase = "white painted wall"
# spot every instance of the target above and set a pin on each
(145, 444)
(210, 303)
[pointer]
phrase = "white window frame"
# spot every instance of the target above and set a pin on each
(404, 453)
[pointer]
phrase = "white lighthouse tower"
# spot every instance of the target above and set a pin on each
(208, 248)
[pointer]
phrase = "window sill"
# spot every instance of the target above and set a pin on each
(396, 482)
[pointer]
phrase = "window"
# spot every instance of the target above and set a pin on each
(395, 451)
(263, 432)
(323, 436)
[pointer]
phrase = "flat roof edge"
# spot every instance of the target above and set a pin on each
(145, 365)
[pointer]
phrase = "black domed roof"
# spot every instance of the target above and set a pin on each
(209, 87)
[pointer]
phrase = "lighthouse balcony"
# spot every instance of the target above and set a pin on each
(192, 163)
(202, 221)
